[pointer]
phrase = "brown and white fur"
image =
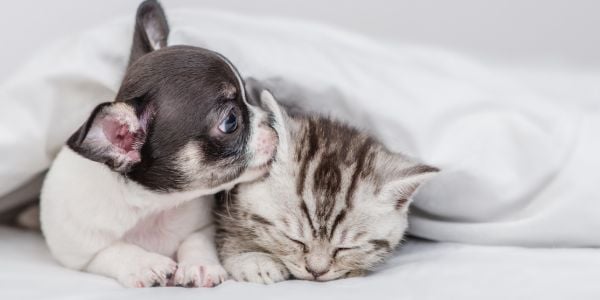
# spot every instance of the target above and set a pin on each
(333, 205)
(128, 196)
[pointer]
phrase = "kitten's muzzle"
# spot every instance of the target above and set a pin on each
(316, 274)
(317, 264)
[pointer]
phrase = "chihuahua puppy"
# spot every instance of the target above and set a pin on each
(128, 195)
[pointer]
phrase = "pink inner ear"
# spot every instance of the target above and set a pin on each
(119, 135)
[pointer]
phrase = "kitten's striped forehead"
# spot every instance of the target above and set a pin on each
(331, 160)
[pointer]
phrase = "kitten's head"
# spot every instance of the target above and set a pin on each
(337, 205)
(180, 120)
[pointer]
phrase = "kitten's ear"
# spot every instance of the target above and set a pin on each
(403, 178)
(151, 30)
(265, 99)
(113, 135)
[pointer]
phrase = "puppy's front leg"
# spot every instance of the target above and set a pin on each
(198, 261)
(133, 266)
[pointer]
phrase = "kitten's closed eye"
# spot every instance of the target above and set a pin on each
(335, 253)
(342, 249)
(299, 243)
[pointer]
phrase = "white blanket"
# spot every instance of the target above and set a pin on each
(420, 270)
(518, 148)
(519, 166)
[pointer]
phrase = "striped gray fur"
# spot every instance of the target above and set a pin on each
(334, 205)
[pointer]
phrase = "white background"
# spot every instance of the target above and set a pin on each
(563, 33)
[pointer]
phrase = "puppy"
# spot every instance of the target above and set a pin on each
(127, 195)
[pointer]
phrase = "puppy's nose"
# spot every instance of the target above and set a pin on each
(316, 273)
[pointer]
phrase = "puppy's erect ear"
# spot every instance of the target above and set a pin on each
(113, 135)
(151, 30)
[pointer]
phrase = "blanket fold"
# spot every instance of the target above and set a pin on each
(519, 166)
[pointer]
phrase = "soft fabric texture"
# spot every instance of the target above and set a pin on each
(518, 162)
(420, 270)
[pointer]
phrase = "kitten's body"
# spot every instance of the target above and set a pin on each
(333, 205)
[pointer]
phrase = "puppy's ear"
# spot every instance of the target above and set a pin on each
(151, 30)
(113, 135)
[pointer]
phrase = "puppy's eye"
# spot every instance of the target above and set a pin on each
(229, 123)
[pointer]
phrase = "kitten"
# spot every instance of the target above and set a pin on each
(333, 205)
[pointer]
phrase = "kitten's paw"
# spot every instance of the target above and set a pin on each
(199, 275)
(355, 273)
(257, 267)
(151, 270)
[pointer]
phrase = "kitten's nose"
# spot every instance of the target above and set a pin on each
(316, 273)
(317, 262)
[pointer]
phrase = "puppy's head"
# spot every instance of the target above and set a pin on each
(180, 120)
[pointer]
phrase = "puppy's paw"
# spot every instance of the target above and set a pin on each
(257, 267)
(150, 270)
(199, 275)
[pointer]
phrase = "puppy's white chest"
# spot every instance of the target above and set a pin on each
(162, 232)
(156, 233)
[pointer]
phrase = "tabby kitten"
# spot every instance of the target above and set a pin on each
(334, 204)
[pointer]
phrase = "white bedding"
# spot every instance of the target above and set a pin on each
(420, 270)
(519, 163)
(518, 148)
